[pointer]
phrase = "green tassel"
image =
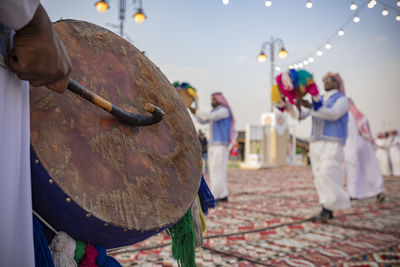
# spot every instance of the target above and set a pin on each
(183, 241)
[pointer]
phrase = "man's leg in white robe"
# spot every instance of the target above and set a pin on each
(327, 165)
(16, 234)
(218, 163)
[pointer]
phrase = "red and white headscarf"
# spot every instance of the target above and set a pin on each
(222, 101)
(337, 78)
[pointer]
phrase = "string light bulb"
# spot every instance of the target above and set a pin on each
(398, 16)
(290, 67)
(305, 62)
(225, 2)
(385, 12)
(320, 53)
(353, 6)
(102, 6)
(268, 3)
(398, 2)
(328, 46)
(295, 66)
(341, 32)
(300, 65)
(311, 59)
(262, 57)
(371, 3)
(277, 68)
(139, 16)
(309, 4)
(356, 19)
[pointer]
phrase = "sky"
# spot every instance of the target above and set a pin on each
(214, 47)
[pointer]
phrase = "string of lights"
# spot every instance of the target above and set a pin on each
(319, 51)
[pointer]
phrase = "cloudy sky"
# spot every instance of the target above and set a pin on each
(215, 47)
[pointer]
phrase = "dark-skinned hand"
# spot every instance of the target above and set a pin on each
(192, 110)
(306, 103)
(38, 54)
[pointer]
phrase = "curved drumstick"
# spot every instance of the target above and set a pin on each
(129, 118)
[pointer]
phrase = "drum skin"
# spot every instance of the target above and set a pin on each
(136, 180)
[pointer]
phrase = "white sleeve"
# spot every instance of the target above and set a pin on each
(216, 115)
(338, 109)
(15, 14)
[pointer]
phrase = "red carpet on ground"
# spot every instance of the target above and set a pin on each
(265, 224)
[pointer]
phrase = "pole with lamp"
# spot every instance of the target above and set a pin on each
(139, 16)
(262, 57)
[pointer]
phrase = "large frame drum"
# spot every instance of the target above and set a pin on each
(94, 177)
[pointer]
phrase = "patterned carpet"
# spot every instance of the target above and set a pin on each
(265, 224)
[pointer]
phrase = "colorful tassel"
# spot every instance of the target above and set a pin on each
(102, 260)
(62, 249)
(183, 240)
(202, 218)
(42, 252)
(198, 228)
(79, 251)
(207, 199)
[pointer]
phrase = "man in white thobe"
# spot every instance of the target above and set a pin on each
(382, 153)
(34, 54)
(394, 152)
(329, 132)
(222, 134)
(364, 176)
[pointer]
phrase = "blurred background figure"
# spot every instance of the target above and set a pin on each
(364, 176)
(222, 135)
(204, 148)
(382, 153)
(394, 152)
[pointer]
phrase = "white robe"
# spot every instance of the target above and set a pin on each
(218, 154)
(327, 158)
(326, 162)
(364, 177)
(16, 233)
(394, 152)
(383, 156)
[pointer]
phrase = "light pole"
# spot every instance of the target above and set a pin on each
(262, 57)
(139, 16)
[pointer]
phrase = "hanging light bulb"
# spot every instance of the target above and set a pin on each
(309, 4)
(225, 2)
(102, 6)
(320, 53)
(385, 12)
(261, 57)
(300, 65)
(398, 16)
(311, 59)
(278, 68)
(341, 32)
(371, 3)
(290, 67)
(356, 19)
(268, 3)
(305, 62)
(283, 53)
(139, 16)
(353, 6)
(328, 46)
(398, 2)
(295, 66)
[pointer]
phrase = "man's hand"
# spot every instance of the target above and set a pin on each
(305, 103)
(193, 110)
(39, 56)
